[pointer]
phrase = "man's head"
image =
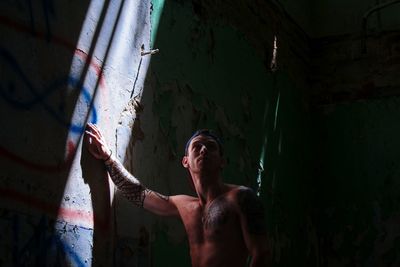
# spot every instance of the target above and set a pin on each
(203, 153)
(208, 133)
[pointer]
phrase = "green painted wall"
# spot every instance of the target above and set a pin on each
(355, 128)
(358, 183)
(329, 182)
(208, 75)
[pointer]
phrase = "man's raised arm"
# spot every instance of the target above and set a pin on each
(130, 187)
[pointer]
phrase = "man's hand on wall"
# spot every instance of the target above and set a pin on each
(96, 143)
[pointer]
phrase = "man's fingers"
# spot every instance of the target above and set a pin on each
(94, 128)
(90, 134)
(95, 137)
(91, 128)
(95, 141)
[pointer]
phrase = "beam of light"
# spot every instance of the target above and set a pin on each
(97, 34)
(109, 46)
(113, 37)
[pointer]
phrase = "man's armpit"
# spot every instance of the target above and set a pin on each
(253, 211)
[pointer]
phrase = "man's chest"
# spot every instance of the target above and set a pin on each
(216, 222)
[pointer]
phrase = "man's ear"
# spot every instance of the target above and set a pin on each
(185, 162)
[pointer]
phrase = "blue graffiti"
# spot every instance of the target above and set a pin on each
(71, 253)
(44, 247)
(38, 98)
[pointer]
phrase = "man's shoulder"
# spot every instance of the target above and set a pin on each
(187, 206)
(238, 194)
(183, 199)
(239, 190)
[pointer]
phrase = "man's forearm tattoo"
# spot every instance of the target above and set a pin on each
(130, 187)
(253, 211)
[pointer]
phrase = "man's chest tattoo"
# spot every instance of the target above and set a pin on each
(216, 215)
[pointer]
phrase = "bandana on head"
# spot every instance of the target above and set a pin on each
(205, 132)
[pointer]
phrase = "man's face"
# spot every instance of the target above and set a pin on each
(203, 155)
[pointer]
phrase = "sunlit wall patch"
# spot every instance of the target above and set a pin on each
(84, 101)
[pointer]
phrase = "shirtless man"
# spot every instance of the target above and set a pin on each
(225, 223)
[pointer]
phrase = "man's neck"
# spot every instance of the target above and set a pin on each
(208, 188)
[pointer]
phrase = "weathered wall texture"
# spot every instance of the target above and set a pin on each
(347, 69)
(355, 95)
(214, 71)
(63, 63)
(358, 184)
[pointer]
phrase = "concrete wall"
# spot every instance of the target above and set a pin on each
(63, 63)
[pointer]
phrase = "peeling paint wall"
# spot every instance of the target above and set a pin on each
(355, 97)
(356, 129)
(358, 170)
(213, 71)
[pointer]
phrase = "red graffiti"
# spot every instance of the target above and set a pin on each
(95, 66)
(57, 40)
(52, 210)
(38, 34)
(42, 167)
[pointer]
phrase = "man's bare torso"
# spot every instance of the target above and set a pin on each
(224, 225)
(214, 230)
